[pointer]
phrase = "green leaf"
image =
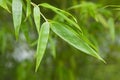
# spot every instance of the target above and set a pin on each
(42, 43)
(36, 14)
(62, 14)
(17, 15)
(28, 9)
(72, 38)
(111, 28)
(102, 20)
(3, 4)
(52, 47)
(68, 14)
(57, 9)
(75, 6)
(113, 6)
(117, 9)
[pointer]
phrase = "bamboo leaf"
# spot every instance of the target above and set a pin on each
(62, 14)
(75, 6)
(17, 15)
(60, 10)
(111, 28)
(28, 9)
(72, 38)
(3, 4)
(102, 20)
(42, 43)
(68, 14)
(36, 14)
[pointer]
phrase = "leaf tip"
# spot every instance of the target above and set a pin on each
(102, 60)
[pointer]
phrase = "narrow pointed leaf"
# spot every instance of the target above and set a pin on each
(60, 10)
(102, 20)
(36, 14)
(28, 9)
(42, 43)
(3, 4)
(62, 14)
(17, 15)
(68, 14)
(117, 9)
(76, 6)
(73, 39)
(68, 20)
(111, 28)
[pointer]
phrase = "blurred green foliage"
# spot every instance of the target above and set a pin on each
(17, 57)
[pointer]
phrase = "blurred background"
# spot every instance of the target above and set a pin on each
(17, 57)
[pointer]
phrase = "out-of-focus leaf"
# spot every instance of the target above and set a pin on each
(52, 47)
(25, 30)
(21, 72)
(84, 5)
(114, 6)
(87, 7)
(72, 38)
(34, 43)
(3, 40)
(3, 4)
(28, 9)
(4, 44)
(76, 6)
(71, 75)
(60, 70)
(111, 28)
(117, 9)
(93, 39)
(36, 14)
(42, 43)
(17, 15)
(62, 14)
(102, 20)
